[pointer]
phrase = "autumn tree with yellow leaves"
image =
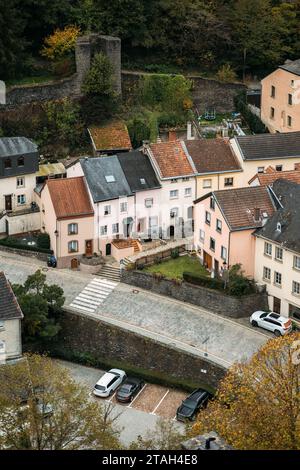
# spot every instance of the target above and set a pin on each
(257, 405)
(61, 43)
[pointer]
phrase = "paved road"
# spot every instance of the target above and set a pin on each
(130, 421)
(223, 340)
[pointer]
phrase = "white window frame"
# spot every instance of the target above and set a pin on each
(296, 260)
(123, 207)
(267, 271)
(278, 249)
(70, 249)
(207, 183)
(266, 252)
(224, 253)
(149, 202)
(174, 194)
(103, 230)
(107, 209)
(277, 276)
(22, 180)
(296, 288)
(188, 192)
(115, 228)
(72, 232)
(201, 235)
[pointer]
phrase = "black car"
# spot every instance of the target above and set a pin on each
(129, 389)
(192, 404)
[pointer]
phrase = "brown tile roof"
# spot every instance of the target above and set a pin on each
(171, 159)
(238, 205)
(212, 155)
(70, 197)
(9, 307)
(271, 175)
(112, 136)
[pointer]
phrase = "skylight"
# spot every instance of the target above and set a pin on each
(110, 178)
(142, 180)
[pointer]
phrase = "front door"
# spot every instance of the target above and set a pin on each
(207, 259)
(8, 203)
(216, 268)
(108, 249)
(89, 247)
(276, 305)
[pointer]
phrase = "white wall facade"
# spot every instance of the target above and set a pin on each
(10, 337)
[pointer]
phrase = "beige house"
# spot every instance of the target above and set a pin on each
(277, 251)
(255, 153)
(68, 218)
(280, 99)
(10, 323)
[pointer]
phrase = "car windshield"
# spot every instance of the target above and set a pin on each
(263, 315)
(189, 404)
(99, 387)
(126, 387)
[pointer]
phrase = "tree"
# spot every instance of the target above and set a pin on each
(41, 305)
(61, 43)
(257, 405)
(166, 436)
(42, 408)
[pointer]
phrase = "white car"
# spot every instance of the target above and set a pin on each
(271, 321)
(109, 382)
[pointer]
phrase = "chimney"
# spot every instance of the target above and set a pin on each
(257, 214)
(172, 136)
(297, 166)
(189, 131)
(208, 441)
(145, 145)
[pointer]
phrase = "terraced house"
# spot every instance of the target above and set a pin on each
(277, 251)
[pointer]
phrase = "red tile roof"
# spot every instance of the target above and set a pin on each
(70, 197)
(171, 159)
(271, 175)
(112, 136)
(212, 155)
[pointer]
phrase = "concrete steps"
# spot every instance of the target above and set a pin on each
(110, 272)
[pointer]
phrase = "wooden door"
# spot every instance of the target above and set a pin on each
(207, 259)
(8, 203)
(74, 263)
(89, 247)
(276, 305)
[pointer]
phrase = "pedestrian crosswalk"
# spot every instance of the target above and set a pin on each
(93, 295)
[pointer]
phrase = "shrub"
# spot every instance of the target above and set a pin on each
(43, 241)
(175, 253)
(61, 43)
(254, 122)
(226, 74)
(238, 284)
(139, 131)
(204, 281)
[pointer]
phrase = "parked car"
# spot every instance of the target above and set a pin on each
(271, 321)
(109, 382)
(192, 404)
(129, 389)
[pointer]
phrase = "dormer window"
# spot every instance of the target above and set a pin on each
(7, 163)
(278, 228)
(110, 178)
(20, 161)
(142, 180)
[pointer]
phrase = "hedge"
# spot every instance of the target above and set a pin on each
(14, 243)
(204, 281)
(254, 122)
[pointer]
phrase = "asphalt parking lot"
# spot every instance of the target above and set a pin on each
(142, 414)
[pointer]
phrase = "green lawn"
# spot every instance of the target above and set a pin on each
(31, 80)
(174, 268)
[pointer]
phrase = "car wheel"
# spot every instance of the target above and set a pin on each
(277, 333)
(254, 323)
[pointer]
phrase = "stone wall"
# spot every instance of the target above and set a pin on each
(209, 299)
(206, 92)
(82, 334)
(86, 47)
(27, 253)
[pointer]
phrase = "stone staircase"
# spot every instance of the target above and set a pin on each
(136, 246)
(110, 272)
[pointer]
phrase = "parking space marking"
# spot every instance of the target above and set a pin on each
(153, 412)
(131, 403)
(112, 396)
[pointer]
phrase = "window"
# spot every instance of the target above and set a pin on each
(21, 199)
(72, 229)
(206, 183)
(188, 192)
(142, 180)
(115, 228)
(103, 230)
(267, 274)
(268, 249)
(212, 244)
(73, 246)
(272, 113)
(174, 194)
(277, 278)
(107, 210)
(153, 221)
(278, 253)
(201, 235)
(224, 253)
(212, 203)
(110, 178)
(149, 202)
(228, 182)
(297, 262)
(273, 91)
(296, 288)
(290, 99)
(123, 207)
(20, 182)
(7, 163)
(207, 218)
(20, 161)
(219, 226)
(278, 167)
(190, 212)
(261, 169)
(174, 212)
(1, 324)
(289, 121)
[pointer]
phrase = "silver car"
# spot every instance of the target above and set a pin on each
(109, 382)
(271, 321)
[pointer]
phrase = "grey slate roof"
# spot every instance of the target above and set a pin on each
(9, 307)
(289, 216)
(136, 166)
(292, 66)
(95, 170)
(16, 146)
(269, 146)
